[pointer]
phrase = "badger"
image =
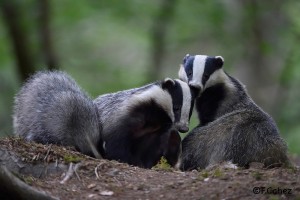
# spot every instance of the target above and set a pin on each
(232, 127)
(51, 108)
(140, 125)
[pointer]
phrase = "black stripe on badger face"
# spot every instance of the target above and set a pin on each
(177, 99)
(182, 104)
(211, 65)
(188, 63)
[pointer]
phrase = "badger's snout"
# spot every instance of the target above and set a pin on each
(195, 85)
(182, 128)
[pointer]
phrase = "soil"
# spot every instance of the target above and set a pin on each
(104, 179)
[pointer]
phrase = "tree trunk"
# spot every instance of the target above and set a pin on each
(158, 37)
(262, 64)
(45, 35)
(19, 37)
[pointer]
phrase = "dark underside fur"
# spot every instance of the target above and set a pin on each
(140, 138)
(208, 102)
(233, 128)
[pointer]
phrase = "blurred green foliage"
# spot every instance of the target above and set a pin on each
(106, 46)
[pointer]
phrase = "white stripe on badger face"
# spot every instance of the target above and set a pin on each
(162, 97)
(218, 76)
(198, 70)
(182, 74)
(186, 104)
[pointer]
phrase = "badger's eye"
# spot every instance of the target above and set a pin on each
(189, 73)
(176, 108)
(205, 76)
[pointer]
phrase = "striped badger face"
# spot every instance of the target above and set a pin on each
(200, 71)
(182, 102)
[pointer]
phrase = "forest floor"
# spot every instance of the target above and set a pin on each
(103, 179)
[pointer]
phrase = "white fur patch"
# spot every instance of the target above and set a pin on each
(182, 74)
(160, 96)
(198, 70)
(219, 76)
(220, 58)
(186, 106)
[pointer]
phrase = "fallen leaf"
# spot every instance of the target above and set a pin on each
(92, 185)
(106, 193)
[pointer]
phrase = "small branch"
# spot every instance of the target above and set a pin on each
(48, 152)
(14, 188)
(68, 175)
(96, 171)
(77, 166)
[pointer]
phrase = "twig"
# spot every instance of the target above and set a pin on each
(38, 156)
(119, 183)
(75, 170)
(47, 154)
(96, 171)
(68, 175)
(273, 165)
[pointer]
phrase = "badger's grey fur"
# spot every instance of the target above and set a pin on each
(232, 127)
(51, 108)
(138, 122)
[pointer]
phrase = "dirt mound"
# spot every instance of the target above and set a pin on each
(66, 174)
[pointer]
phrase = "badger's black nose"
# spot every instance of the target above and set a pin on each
(183, 129)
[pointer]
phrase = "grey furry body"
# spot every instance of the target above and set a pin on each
(51, 108)
(242, 136)
(128, 136)
(111, 107)
(139, 124)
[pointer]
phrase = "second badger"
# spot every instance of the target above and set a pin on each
(140, 125)
(232, 127)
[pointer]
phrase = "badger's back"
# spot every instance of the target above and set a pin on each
(242, 137)
(51, 108)
(137, 123)
(113, 107)
(35, 97)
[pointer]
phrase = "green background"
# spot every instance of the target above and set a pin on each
(114, 45)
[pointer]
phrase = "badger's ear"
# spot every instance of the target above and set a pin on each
(185, 58)
(219, 61)
(182, 74)
(168, 83)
